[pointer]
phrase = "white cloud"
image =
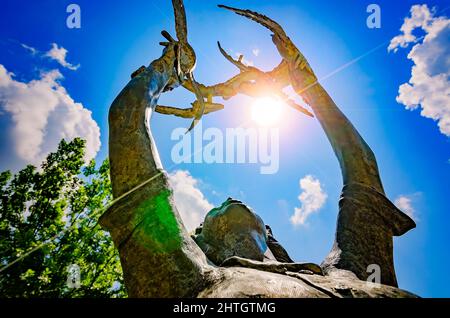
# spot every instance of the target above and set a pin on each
(421, 17)
(429, 85)
(42, 113)
(32, 50)
(56, 53)
(312, 198)
(189, 200)
(404, 203)
(59, 54)
(255, 51)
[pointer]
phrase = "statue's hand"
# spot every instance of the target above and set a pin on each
(291, 54)
(298, 65)
(168, 60)
(182, 59)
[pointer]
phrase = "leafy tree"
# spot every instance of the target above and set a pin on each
(48, 221)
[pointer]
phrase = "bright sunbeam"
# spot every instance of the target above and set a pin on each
(266, 111)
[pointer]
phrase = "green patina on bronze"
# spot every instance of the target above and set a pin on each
(159, 230)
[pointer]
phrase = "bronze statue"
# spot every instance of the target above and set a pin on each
(227, 257)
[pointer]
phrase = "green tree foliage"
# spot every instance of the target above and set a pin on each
(53, 212)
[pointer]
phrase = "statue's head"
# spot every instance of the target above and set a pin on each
(232, 229)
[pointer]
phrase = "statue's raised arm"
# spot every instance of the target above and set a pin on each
(159, 259)
(367, 220)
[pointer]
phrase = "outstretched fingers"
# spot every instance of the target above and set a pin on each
(201, 101)
(188, 112)
(259, 18)
(238, 63)
(180, 20)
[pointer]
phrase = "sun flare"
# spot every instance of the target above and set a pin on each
(266, 111)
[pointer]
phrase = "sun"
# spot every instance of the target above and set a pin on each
(266, 111)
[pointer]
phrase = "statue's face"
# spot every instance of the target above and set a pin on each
(232, 230)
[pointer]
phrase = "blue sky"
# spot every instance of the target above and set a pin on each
(116, 38)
